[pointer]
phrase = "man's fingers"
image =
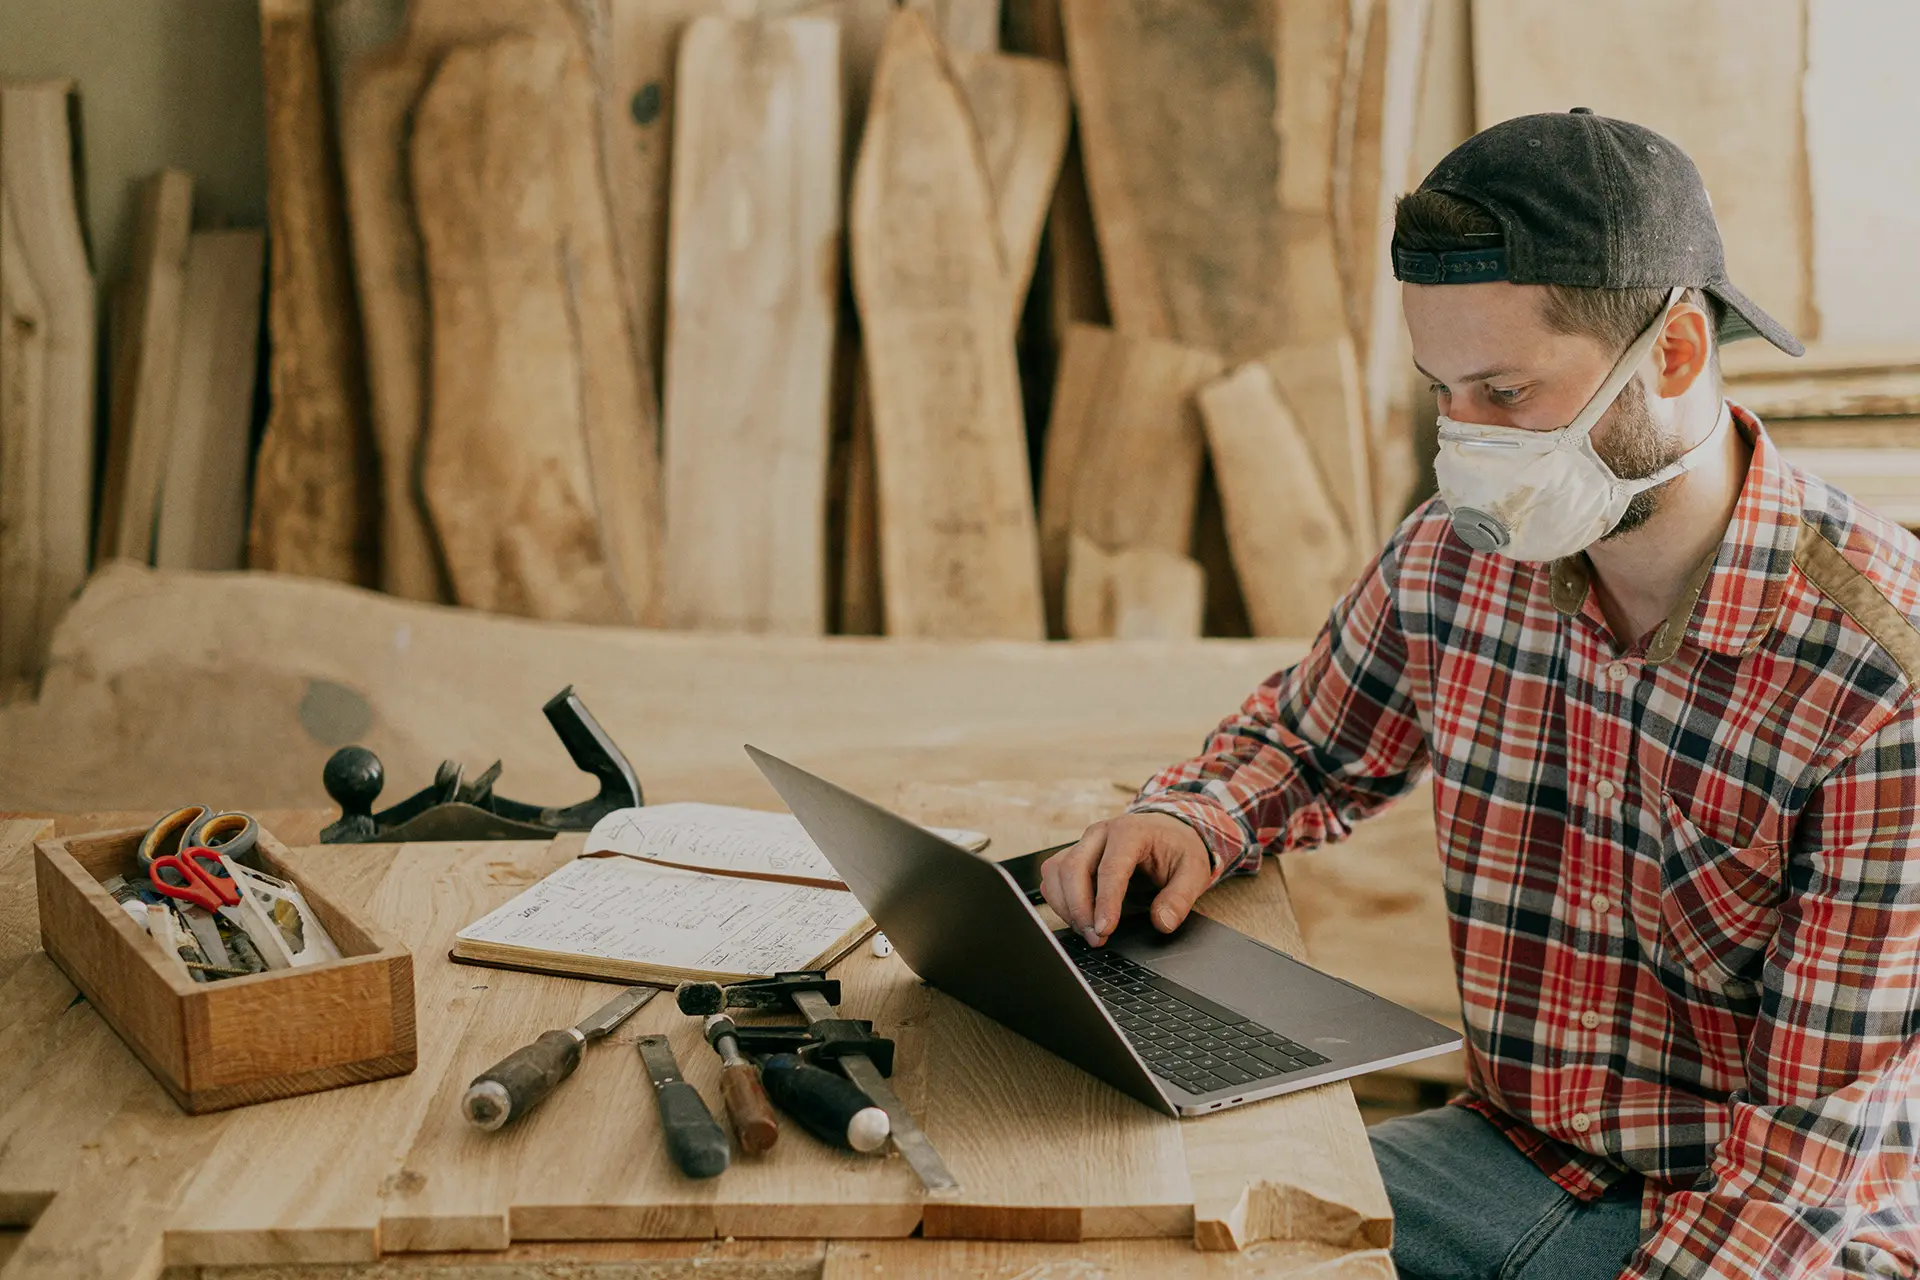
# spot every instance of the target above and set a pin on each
(1116, 869)
(1075, 875)
(1190, 879)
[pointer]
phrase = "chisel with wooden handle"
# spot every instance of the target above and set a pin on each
(694, 1138)
(515, 1085)
(748, 1109)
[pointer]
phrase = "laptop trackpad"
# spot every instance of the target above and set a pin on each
(1225, 965)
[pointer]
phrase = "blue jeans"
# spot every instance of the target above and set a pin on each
(1468, 1206)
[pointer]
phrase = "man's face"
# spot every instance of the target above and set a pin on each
(1493, 359)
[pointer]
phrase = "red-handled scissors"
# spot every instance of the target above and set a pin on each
(199, 876)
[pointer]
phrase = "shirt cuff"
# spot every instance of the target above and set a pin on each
(1228, 850)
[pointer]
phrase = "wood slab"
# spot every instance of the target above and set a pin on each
(315, 490)
(1762, 361)
(1137, 593)
(23, 445)
(1176, 109)
(1320, 383)
(537, 481)
(963, 26)
(1880, 393)
(1290, 545)
(753, 295)
(202, 522)
(1123, 450)
(1750, 147)
(1022, 113)
(1168, 1259)
(1310, 42)
(145, 366)
(1874, 460)
(37, 159)
(956, 525)
(136, 710)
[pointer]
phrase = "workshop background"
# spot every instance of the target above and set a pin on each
(969, 390)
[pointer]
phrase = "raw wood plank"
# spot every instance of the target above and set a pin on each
(1162, 1259)
(1762, 361)
(1184, 177)
(326, 1206)
(1290, 545)
(1750, 147)
(37, 158)
(1320, 382)
(963, 26)
(1124, 449)
(19, 918)
(1311, 59)
(315, 504)
(202, 521)
(1022, 113)
(753, 295)
(375, 120)
(1875, 460)
(1878, 394)
(23, 446)
(957, 538)
(131, 714)
(536, 481)
(145, 368)
(1137, 593)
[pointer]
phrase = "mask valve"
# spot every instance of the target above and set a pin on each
(1479, 530)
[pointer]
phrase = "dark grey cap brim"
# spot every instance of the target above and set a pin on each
(1743, 318)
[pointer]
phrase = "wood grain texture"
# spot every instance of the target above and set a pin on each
(753, 294)
(1311, 38)
(963, 26)
(1320, 383)
(1290, 545)
(957, 538)
(1163, 1259)
(145, 367)
(315, 493)
(533, 469)
(1750, 149)
(1022, 113)
(202, 520)
(1183, 178)
(1136, 593)
(23, 445)
(376, 119)
(37, 159)
(1880, 393)
(1123, 450)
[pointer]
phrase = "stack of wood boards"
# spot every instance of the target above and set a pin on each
(1849, 414)
(709, 315)
(47, 326)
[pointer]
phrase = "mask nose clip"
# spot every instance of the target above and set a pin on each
(1479, 530)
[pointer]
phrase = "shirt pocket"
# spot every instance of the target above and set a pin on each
(1719, 905)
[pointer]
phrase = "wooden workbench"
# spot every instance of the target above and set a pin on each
(384, 1180)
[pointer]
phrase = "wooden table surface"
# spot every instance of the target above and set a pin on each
(383, 1180)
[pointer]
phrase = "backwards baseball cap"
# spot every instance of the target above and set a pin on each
(1588, 201)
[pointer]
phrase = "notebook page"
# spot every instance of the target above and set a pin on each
(722, 838)
(621, 909)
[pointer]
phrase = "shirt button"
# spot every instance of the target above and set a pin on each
(1617, 672)
(1599, 902)
(1589, 1019)
(1582, 1122)
(1605, 788)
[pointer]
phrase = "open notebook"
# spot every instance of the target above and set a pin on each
(675, 892)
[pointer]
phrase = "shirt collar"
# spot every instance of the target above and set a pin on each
(1732, 598)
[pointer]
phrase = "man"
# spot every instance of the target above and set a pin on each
(1665, 686)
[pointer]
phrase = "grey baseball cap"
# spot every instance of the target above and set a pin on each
(1590, 201)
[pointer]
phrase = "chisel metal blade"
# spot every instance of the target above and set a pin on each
(603, 1020)
(908, 1138)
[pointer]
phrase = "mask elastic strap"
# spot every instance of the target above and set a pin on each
(1688, 460)
(1624, 368)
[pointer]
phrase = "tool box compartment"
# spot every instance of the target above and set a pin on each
(240, 1040)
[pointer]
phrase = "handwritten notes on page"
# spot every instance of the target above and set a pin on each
(630, 918)
(728, 841)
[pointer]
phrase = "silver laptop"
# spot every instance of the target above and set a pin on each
(1187, 1022)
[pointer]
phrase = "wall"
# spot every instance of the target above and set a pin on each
(162, 82)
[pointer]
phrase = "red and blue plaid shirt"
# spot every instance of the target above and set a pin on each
(1682, 883)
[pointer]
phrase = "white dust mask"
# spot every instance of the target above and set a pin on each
(1542, 495)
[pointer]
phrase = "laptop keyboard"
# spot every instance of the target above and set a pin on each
(1183, 1036)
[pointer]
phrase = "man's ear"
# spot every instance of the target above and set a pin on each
(1683, 352)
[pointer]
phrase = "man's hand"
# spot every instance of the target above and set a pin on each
(1085, 883)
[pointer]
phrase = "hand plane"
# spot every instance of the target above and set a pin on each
(456, 809)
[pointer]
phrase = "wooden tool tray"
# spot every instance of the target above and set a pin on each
(240, 1040)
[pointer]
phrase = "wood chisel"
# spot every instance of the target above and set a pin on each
(748, 1108)
(516, 1084)
(694, 1138)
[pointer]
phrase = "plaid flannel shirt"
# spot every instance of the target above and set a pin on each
(1682, 888)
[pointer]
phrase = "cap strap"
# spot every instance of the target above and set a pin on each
(1456, 266)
